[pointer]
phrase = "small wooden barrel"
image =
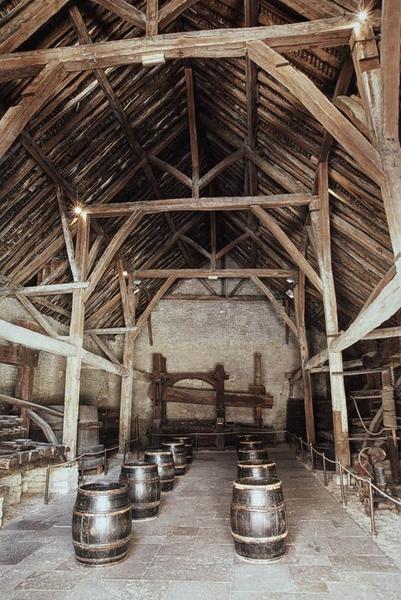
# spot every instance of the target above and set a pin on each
(164, 460)
(257, 469)
(258, 519)
(179, 455)
(250, 444)
(245, 454)
(143, 481)
(101, 523)
(188, 447)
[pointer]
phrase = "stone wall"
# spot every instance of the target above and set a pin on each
(192, 336)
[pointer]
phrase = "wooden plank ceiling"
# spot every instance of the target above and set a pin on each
(121, 134)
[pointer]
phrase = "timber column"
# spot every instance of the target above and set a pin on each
(73, 369)
(320, 219)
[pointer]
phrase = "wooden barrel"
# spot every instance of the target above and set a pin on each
(188, 447)
(179, 455)
(164, 460)
(245, 454)
(257, 469)
(143, 481)
(258, 519)
(101, 523)
(250, 444)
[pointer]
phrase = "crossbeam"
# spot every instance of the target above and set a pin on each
(202, 204)
(214, 274)
(217, 43)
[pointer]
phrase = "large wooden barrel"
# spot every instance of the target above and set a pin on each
(257, 469)
(258, 519)
(163, 458)
(143, 481)
(179, 454)
(252, 454)
(101, 523)
(186, 440)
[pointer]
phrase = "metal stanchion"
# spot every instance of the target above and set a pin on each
(105, 465)
(301, 447)
(325, 481)
(312, 458)
(373, 529)
(342, 489)
(47, 484)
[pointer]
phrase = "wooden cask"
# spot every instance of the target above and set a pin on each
(258, 520)
(250, 444)
(143, 481)
(101, 523)
(179, 455)
(186, 440)
(257, 469)
(163, 459)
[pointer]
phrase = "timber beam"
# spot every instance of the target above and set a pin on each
(217, 43)
(202, 204)
(214, 274)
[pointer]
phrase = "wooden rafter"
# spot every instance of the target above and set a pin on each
(319, 106)
(217, 273)
(173, 9)
(26, 21)
(125, 10)
(35, 95)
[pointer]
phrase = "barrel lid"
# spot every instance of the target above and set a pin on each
(251, 483)
(157, 451)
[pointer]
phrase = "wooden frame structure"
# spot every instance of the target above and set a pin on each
(266, 48)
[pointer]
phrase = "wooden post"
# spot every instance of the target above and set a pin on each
(127, 386)
(321, 223)
(127, 383)
(299, 297)
(73, 369)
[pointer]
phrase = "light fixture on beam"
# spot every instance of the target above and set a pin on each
(290, 293)
(152, 60)
(363, 16)
(78, 209)
(125, 273)
(290, 280)
(212, 277)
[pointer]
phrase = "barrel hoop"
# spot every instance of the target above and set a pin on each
(144, 466)
(145, 504)
(167, 480)
(157, 453)
(264, 540)
(101, 514)
(253, 466)
(265, 508)
(141, 481)
(257, 486)
(101, 546)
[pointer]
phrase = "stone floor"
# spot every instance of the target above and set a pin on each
(187, 552)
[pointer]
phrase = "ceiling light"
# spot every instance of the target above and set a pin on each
(125, 273)
(290, 293)
(363, 16)
(138, 281)
(290, 280)
(213, 277)
(78, 209)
